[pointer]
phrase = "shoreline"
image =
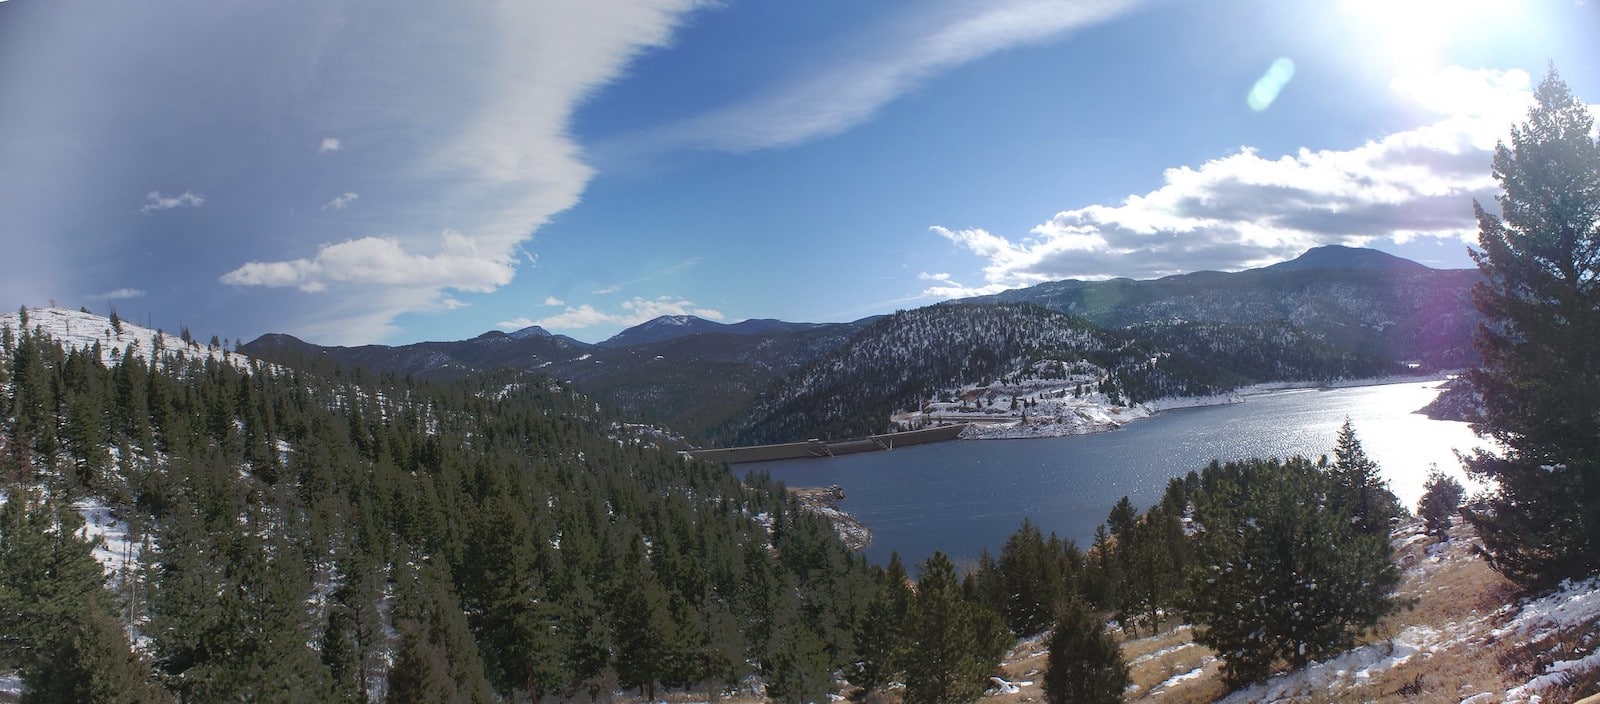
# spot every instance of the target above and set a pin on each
(824, 501)
(1092, 418)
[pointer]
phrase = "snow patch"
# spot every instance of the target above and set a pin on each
(79, 330)
(114, 548)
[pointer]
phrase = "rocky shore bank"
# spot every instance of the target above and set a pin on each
(824, 501)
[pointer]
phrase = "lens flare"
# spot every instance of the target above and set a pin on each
(1270, 84)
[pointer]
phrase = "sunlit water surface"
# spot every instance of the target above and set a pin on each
(962, 496)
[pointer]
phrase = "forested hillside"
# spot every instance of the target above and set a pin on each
(689, 376)
(313, 535)
(1349, 298)
(942, 352)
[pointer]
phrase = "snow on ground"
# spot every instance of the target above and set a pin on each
(1182, 677)
(1046, 398)
(117, 551)
(1539, 622)
(77, 329)
(1574, 605)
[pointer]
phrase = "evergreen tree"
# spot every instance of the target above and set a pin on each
(1153, 562)
(48, 576)
(1278, 574)
(1085, 664)
(1441, 499)
(1540, 345)
(645, 632)
(512, 611)
(421, 670)
(877, 638)
(91, 662)
(1031, 581)
(800, 671)
(436, 659)
(1362, 492)
(949, 657)
(588, 641)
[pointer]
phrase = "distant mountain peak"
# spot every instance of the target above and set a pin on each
(662, 328)
(1335, 256)
(674, 320)
(668, 327)
(530, 331)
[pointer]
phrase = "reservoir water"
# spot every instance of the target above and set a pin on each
(963, 496)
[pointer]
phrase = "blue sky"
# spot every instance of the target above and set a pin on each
(356, 171)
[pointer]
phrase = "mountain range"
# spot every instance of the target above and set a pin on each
(1333, 312)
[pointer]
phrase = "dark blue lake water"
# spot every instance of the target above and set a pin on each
(962, 496)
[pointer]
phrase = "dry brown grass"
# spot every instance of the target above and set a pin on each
(1455, 603)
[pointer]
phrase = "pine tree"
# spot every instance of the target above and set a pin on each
(421, 670)
(1085, 664)
(91, 662)
(1540, 344)
(1278, 574)
(48, 576)
(1031, 581)
(800, 671)
(437, 659)
(949, 658)
(1441, 499)
(1153, 562)
(877, 638)
(1362, 492)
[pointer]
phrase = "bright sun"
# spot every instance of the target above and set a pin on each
(1414, 34)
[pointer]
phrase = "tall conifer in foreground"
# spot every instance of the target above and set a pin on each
(1361, 491)
(948, 660)
(1085, 662)
(1279, 574)
(1540, 343)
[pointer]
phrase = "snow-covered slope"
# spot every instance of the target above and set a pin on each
(80, 330)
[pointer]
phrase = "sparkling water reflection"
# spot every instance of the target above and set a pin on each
(963, 496)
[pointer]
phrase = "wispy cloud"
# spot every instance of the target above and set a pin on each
(633, 312)
(553, 301)
(653, 274)
(339, 202)
(887, 61)
(944, 286)
(120, 294)
(1244, 209)
(493, 169)
(329, 144)
(156, 200)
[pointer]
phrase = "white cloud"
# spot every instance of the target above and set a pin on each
(642, 309)
(634, 311)
(329, 144)
(480, 118)
(886, 62)
(156, 200)
(1244, 210)
(947, 287)
(460, 263)
(339, 202)
(515, 324)
(606, 291)
(583, 316)
(120, 294)
(553, 301)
